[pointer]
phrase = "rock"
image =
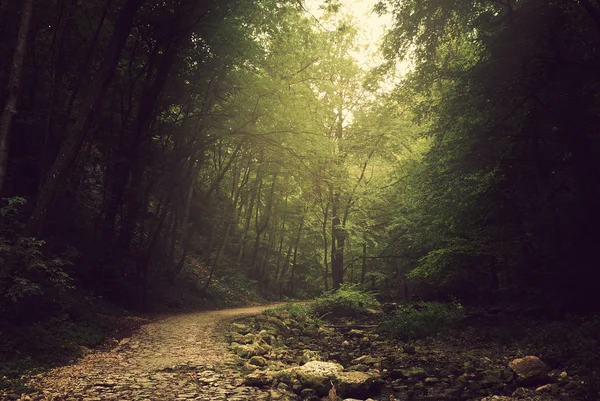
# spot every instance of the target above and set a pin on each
(530, 370)
(409, 373)
(257, 360)
(273, 322)
(409, 349)
(241, 328)
(314, 374)
(357, 384)
(431, 380)
(308, 355)
(367, 360)
(564, 375)
(356, 333)
(250, 350)
(258, 378)
(242, 339)
(497, 398)
(307, 393)
(358, 368)
(546, 388)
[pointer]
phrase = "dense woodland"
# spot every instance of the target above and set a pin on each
(156, 151)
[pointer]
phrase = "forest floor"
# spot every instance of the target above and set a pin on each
(154, 363)
(186, 357)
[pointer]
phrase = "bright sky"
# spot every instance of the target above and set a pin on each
(372, 27)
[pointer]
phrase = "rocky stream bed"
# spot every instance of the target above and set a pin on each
(346, 359)
(241, 354)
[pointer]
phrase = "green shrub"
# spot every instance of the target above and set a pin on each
(298, 311)
(420, 320)
(347, 301)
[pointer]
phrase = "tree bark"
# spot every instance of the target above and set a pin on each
(294, 260)
(14, 87)
(91, 103)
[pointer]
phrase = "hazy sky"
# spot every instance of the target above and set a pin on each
(372, 26)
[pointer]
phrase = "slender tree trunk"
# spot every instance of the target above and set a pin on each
(249, 216)
(91, 103)
(325, 248)
(337, 245)
(188, 226)
(231, 222)
(14, 87)
(281, 238)
(293, 271)
(363, 272)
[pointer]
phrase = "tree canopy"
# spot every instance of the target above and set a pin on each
(149, 146)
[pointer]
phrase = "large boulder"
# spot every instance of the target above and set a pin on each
(319, 376)
(314, 374)
(530, 370)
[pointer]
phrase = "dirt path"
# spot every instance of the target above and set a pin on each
(182, 357)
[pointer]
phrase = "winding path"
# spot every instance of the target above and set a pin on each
(182, 357)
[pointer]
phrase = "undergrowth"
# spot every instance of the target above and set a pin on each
(347, 301)
(299, 311)
(419, 320)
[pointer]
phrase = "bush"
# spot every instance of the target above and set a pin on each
(347, 301)
(298, 311)
(420, 320)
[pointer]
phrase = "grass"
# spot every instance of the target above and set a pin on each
(300, 311)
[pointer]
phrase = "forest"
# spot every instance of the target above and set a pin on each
(162, 155)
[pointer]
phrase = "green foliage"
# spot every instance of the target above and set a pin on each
(420, 320)
(35, 270)
(349, 300)
(299, 311)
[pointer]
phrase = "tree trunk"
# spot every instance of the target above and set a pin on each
(249, 216)
(325, 248)
(13, 89)
(281, 238)
(363, 272)
(337, 246)
(91, 103)
(293, 272)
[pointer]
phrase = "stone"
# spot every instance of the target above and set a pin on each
(241, 328)
(409, 373)
(564, 375)
(357, 384)
(356, 333)
(358, 368)
(308, 355)
(367, 360)
(408, 349)
(314, 374)
(257, 360)
(546, 388)
(273, 322)
(258, 378)
(250, 350)
(530, 370)
(431, 380)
